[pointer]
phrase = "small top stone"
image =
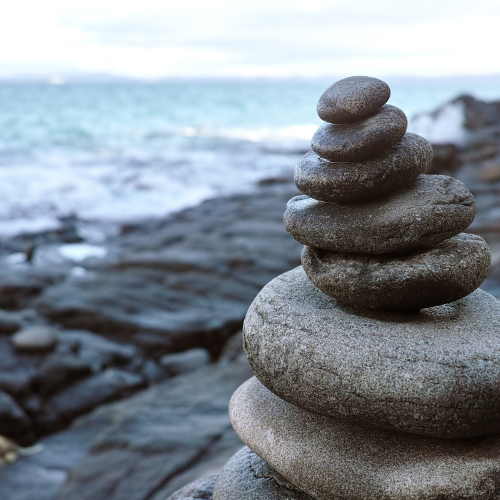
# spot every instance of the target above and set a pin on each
(35, 338)
(352, 99)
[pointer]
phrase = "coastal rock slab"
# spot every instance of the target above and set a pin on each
(330, 459)
(247, 476)
(14, 422)
(355, 181)
(352, 99)
(430, 210)
(444, 273)
(432, 373)
(361, 140)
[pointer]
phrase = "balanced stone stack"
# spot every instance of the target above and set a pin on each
(377, 363)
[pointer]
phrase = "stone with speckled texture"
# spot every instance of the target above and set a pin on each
(355, 181)
(330, 460)
(360, 140)
(432, 209)
(201, 489)
(433, 373)
(444, 273)
(247, 477)
(352, 99)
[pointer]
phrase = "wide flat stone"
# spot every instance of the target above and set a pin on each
(444, 273)
(361, 140)
(247, 476)
(352, 99)
(433, 373)
(330, 459)
(347, 182)
(430, 210)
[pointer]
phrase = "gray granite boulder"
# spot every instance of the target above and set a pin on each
(430, 210)
(361, 140)
(433, 373)
(330, 459)
(352, 99)
(247, 477)
(355, 181)
(446, 272)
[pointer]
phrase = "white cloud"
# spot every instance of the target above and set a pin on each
(153, 38)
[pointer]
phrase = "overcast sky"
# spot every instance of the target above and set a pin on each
(274, 38)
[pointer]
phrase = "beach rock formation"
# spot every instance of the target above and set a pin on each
(376, 362)
(206, 264)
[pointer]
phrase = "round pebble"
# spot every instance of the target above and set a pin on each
(332, 460)
(247, 476)
(356, 181)
(361, 140)
(432, 209)
(444, 273)
(35, 338)
(352, 99)
(433, 372)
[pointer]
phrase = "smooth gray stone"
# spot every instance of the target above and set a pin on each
(332, 460)
(355, 181)
(35, 338)
(352, 99)
(430, 210)
(183, 362)
(246, 476)
(433, 373)
(361, 140)
(444, 273)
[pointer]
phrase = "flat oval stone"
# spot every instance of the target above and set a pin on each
(35, 338)
(432, 209)
(246, 476)
(356, 181)
(434, 373)
(352, 99)
(332, 460)
(444, 273)
(361, 140)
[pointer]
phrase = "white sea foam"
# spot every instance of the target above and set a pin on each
(442, 126)
(29, 224)
(78, 252)
(34, 195)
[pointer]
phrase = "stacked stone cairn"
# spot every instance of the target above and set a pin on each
(377, 362)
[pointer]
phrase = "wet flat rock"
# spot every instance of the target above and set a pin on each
(329, 459)
(433, 373)
(426, 278)
(432, 209)
(247, 476)
(352, 99)
(182, 282)
(361, 140)
(355, 181)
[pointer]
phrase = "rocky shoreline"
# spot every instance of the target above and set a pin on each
(154, 323)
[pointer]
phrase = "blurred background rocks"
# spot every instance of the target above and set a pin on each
(115, 375)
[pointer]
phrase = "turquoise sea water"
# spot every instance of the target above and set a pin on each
(116, 152)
